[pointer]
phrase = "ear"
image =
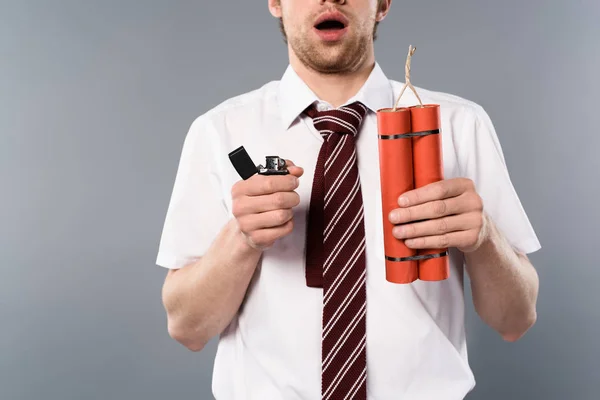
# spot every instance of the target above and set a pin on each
(275, 8)
(384, 8)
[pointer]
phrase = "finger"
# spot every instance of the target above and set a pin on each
(259, 185)
(458, 239)
(467, 202)
(435, 191)
(294, 170)
(264, 238)
(269, 219)
(258, 204)
(439, 226)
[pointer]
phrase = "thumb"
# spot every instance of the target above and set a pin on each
(294, 170)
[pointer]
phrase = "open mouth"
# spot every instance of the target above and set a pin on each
(330, 25)
(331, 22)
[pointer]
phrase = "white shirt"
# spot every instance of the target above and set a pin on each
(416, 347)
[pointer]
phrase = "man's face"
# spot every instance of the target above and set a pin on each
(329, 36)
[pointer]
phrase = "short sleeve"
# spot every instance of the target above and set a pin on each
(481, 159)
(196, 211)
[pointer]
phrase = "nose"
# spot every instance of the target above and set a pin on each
(332, 1)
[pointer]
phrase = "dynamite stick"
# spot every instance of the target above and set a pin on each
(396, 172)
(428, 168)
(410, 154)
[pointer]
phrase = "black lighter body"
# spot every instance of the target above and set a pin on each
(243, 164)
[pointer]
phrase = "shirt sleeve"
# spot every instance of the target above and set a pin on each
(197, 210)
(482, 160)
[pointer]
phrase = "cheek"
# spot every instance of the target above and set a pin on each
(297, 15)
(294, 24)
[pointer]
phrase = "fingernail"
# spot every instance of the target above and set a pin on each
(399, 232)
(393, 217)
(403, 201)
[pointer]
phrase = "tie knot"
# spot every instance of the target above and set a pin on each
(344, 120)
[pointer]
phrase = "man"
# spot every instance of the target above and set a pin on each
(238, 251)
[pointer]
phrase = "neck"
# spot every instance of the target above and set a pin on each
(334, 88)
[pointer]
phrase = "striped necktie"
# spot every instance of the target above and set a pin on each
(335, 253)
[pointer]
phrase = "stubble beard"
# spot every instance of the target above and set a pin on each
(331, 58)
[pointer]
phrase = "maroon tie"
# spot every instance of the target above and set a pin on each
(335, 253)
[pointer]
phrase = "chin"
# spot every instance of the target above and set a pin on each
(329, 57)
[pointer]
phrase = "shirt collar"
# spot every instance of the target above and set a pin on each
(295, 96)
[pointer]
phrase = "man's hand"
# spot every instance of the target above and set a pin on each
(448, 213)
(262, 206)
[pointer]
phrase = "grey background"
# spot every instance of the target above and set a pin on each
(96, 98)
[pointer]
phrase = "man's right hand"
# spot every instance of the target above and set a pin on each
(262, 206)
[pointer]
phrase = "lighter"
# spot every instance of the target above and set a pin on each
(245, 167)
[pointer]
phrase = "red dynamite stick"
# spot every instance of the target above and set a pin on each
(428, 168)
(396, 172)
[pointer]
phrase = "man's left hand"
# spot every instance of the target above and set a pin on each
(448, 213)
